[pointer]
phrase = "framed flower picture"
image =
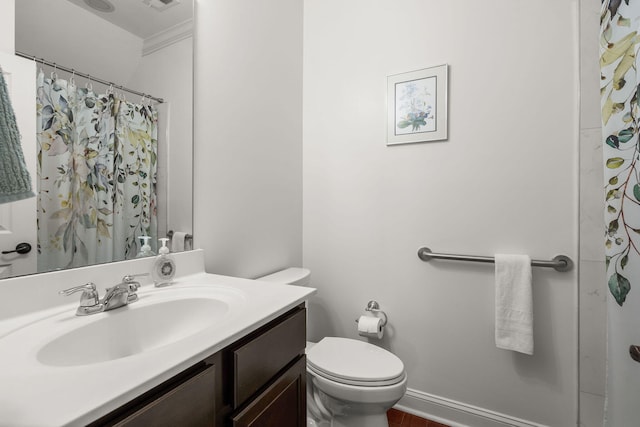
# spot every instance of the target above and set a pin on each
(417, 106)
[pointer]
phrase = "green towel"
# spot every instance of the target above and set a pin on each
(15, 182)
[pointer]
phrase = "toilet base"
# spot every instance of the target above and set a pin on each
(343, 414)
(352, 421)
(313, 423)
(369, 420)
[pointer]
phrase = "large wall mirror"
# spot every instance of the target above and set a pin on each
(103, 181)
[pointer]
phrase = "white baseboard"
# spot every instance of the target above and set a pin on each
(454, 413)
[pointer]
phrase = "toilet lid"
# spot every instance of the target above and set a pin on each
(354, 362)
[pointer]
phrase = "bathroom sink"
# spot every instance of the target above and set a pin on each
(132, 330)
(79, 368)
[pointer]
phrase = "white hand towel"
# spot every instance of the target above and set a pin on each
(178, 241)
(514, 303)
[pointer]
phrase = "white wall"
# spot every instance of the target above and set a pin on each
(7, 26)
(168, 73)
(248, 118)
(505, 181)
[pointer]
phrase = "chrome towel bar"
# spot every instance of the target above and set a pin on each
(559, 262)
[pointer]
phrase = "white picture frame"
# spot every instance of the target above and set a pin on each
(417, 106)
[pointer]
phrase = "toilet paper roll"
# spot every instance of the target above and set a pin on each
(370, 327)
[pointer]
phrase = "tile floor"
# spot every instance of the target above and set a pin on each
(402, 419)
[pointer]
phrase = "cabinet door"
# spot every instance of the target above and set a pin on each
(261, 357)
(283, 404)
(191, 403)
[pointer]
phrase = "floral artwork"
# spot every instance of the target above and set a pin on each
(417, 106)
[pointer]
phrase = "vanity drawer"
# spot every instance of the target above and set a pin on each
(258, 360)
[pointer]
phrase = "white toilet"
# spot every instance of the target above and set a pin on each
(350, 383)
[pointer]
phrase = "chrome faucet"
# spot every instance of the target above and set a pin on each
(89, 300)
(121, 294)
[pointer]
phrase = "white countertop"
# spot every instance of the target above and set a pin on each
(34, 394)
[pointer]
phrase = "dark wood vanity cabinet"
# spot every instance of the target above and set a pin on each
(258, 381)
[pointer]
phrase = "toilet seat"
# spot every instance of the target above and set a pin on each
(354, 362)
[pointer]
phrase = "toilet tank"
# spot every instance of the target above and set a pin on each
(289, 276)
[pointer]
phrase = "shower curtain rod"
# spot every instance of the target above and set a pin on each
(86, 76)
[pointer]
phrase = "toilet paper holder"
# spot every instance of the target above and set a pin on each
(374, 307)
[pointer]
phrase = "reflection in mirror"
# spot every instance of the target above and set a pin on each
(103, 150)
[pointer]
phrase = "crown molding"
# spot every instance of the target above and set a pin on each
(167, 37)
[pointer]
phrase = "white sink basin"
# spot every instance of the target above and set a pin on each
(131, 330)
(161, 320)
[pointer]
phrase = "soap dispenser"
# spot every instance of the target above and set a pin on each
(164, 268)
(145, 249)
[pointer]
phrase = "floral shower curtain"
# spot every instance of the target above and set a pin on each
(96, 175)
(620, 90)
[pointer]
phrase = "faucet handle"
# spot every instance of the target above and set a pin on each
(89, 300)
(132, 285)
(129, 280)
(129, 277)
(89, 296)
(88, 286)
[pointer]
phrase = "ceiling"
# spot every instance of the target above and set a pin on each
(138, 17)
